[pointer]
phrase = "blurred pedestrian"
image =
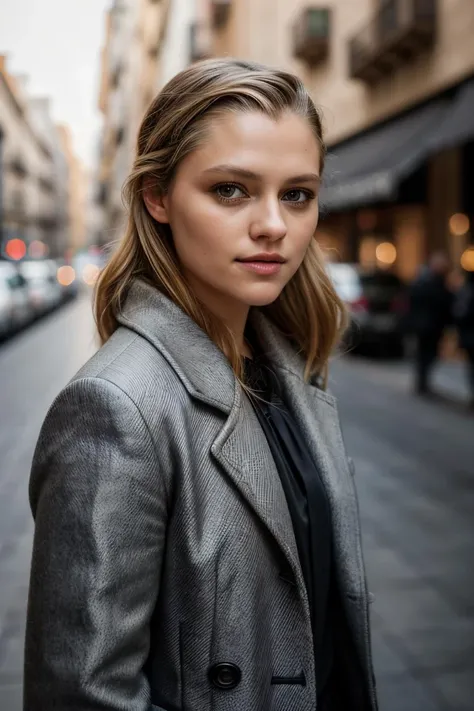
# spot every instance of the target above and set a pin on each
(464, 318)
(197, 541)
(429, 313)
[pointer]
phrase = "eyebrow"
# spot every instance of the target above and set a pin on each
(243, 173)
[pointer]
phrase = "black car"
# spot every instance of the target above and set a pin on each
(377, 304)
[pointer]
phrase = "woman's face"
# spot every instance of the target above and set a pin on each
(243, 208)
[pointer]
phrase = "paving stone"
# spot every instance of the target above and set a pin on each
(456, 688)
(404, 609)
(387, 661)
(386, 566)
(403, 693)
(11, 697)
(449, 646)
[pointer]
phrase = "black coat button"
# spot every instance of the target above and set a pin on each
(225, 676)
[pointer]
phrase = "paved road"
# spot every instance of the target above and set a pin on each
(34, 366)
(415, 475)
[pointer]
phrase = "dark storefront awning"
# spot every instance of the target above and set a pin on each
(369, 168)
(458, 125)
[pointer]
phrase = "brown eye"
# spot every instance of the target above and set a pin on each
(298, 196)
(228, 191)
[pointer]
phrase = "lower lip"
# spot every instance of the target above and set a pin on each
(262, 267)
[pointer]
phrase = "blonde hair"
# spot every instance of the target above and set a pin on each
(308, 311)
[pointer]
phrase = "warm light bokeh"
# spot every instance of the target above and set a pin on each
(467, 259)
(66, 275)
(90, 274)
(459, 224)
(15, 249)
(386, 253)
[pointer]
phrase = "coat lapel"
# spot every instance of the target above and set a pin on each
(316, 414)
(243, 453)
(241, 447)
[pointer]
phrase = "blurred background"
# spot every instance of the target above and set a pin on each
(395, 82)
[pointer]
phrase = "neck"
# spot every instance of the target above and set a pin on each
(236, 321)
(231, 312)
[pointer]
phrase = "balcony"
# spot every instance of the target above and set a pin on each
(199, 42)
(220, 12)
(400, 31)
(311, 35)
(47, 221)
(17, 165)
(47, 184)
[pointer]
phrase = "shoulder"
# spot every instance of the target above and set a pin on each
(127, 389)
(110, 412)
(129, 363)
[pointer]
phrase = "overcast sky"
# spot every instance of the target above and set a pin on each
(57, 44)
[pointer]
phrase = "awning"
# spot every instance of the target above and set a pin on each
(369, 168)
(458, 125)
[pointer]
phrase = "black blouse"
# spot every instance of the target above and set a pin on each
(307, 503)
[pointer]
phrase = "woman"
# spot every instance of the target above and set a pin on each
(197, 541)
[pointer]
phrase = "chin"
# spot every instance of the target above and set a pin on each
(263, 296)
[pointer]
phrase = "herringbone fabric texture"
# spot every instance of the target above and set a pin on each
(163, 542)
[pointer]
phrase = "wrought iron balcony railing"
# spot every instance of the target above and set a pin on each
(399, 31)
(311, 35)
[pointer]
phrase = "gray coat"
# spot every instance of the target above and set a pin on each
(165, 571)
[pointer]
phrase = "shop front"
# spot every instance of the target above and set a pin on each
(400, 191)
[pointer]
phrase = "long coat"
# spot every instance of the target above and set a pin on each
(165, 571)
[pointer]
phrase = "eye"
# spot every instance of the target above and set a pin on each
(228, 192)
(298, 196)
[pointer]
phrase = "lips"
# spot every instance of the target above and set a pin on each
(265, 257)
(262, 264)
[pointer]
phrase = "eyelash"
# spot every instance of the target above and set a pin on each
(309, 194)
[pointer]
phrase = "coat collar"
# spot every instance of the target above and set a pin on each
(241, 447)
(200, 364)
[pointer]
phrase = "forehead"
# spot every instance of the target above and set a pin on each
(260, 143)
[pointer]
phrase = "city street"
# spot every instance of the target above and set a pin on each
(415, 476)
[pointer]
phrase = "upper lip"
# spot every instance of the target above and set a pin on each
(263, 257)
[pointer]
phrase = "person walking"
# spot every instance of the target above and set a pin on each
(464, 318)
(197, 544)
(429, 312)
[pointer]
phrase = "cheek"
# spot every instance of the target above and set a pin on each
(304, 234)
(203, 243)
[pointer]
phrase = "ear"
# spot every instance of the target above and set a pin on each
(155, 202)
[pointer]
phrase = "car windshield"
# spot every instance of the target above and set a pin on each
(3, 284)
(35, 270)
(345, 280)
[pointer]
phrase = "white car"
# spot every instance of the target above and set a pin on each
(44, 288)
(376, 302)
(15, 308)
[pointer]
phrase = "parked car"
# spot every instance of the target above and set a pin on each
(43, 286)
(376, 301)
(15, 307)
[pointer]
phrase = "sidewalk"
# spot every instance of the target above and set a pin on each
(415, 481)
(449, 378)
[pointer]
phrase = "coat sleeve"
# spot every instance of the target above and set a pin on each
(99, 505)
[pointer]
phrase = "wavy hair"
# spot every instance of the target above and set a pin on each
(308, 311)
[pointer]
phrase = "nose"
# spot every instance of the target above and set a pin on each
(267, 221)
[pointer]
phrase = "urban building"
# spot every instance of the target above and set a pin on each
(53, 215)
(36, 174)
(27, 209)
(395, 82)
(76, 195)
(130, 69)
